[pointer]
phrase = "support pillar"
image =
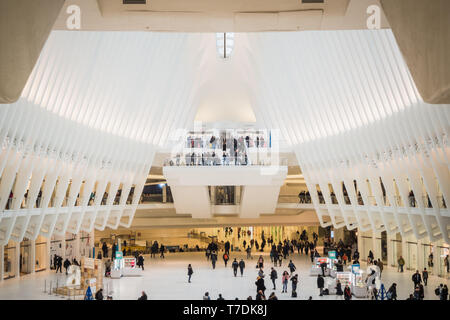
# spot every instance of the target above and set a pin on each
(63, 247)
(76, 247)
(32, 257)
(17, 261)
(360, 244)
(436, 253)
(47, 250)
(390, 251)
(2, 261)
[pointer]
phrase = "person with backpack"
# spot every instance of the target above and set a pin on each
(225, 257)
(284, 281)
(235, 266)
(294, 280)
(291, 266)
(99, 295)
(273, 277)
(190, 272)
(242, 266)
(444, 293)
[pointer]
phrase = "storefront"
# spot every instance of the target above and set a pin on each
(8, 260)
(442, 268)
(395, 251)
(411, 256)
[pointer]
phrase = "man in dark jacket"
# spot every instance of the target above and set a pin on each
(425, 276)
(66, 264)
(235, 266)
(273, 277)
(59, 264)
(416, 278)
(242, 266)
(320, 284)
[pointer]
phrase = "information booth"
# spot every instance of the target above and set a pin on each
(315, 268)
(359, 286)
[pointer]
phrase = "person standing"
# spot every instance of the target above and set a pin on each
(190, 272)
(261, 262)
(401, 263)
(242, 266)
(66, 264)
(347, 293)
(425, 276)
(161, 250)
(235, 266)
(273, 277)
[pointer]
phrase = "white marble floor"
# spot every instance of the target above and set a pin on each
(167, 279)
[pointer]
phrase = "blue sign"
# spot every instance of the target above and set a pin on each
(355, 268)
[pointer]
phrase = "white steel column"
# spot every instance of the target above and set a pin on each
(2, 261)
(32, 257)
(76, 247)
(47, 250)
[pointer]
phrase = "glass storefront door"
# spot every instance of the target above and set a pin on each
(8, 260)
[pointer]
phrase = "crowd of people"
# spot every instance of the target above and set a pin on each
(202, 150)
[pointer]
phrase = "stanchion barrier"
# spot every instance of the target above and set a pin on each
(45, 286)
(50, 288)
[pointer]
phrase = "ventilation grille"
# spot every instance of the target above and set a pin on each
(134, 1)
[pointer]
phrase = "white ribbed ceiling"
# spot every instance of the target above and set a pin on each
(143, 85)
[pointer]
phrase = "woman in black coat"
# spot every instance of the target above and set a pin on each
(260, 285)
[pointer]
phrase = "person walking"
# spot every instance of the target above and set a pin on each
(249, 252)
(242, 267)
(320, 284)
(235, 266)
(291, 267)
(294, 280)
(190, 272)
(161, 250)
(213, 259)
(273, 277)
(443, 294)
(260, 285)
(425, 276)
(284, 281)
(66, 265)
(225, 257)
(59, 264)
(416, 278)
